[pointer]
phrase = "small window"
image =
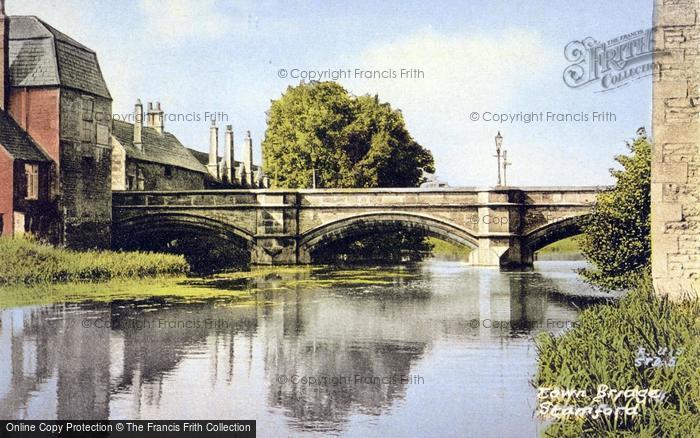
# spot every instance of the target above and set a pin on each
(168, 171)
(88, 109)
(130, 182)
(31, 172)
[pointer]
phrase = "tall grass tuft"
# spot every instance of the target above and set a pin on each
(601, 350)
(28, 261)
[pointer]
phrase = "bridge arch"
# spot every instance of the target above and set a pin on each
(553, 232)
(132, 231)
(358, 225)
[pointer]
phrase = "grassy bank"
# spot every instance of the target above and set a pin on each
(602, 350)
(26, 261)
(570, 244)
(442, 248)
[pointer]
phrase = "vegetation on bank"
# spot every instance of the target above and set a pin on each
(568, 245)
(643, 342)
(28, 261)
(604, 349)
(616, 235)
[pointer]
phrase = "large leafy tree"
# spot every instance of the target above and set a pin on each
(616, 236)
(351, 141)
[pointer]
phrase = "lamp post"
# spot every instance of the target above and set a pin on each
(499, 142)
(506, 163)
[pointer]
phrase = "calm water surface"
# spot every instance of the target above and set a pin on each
(438, 349)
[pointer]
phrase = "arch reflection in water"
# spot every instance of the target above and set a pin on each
(462, 334)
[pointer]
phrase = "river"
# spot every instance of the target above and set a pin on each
(433, 349)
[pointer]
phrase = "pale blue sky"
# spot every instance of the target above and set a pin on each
(477, 56)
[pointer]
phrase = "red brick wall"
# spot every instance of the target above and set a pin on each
(37, 111)
(6, 192)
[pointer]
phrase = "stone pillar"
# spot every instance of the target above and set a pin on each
(248, 161)
(491, 222)
(228, 155)
(213, 166)
(138, 125)
(675, 169)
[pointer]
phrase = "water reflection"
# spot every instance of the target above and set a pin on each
(462, 334)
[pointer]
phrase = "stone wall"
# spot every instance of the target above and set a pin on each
(675, 188)
(85, 170)
(155, 177)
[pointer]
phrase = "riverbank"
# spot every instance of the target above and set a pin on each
(27, 261)
(605, 348)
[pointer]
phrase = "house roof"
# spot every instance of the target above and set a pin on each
(157, 148)
(17, 142)
(43, 56)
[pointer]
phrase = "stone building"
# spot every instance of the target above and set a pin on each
(56, 135)
(150, 158)
(675, 167)
(225, 171)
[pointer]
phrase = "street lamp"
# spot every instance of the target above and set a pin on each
(506, 163)
(499, 142)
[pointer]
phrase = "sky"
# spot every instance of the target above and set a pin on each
(230, 58)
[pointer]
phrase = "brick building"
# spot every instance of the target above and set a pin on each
(56, 135)
(150, 158)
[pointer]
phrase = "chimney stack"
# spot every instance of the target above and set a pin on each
(212, 166)
(228, 155)
(155, 117)
(4, 56)
(248, 160)
(138, 125)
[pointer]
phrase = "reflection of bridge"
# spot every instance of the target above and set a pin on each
(503, 226)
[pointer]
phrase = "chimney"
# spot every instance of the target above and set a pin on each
(155, 117)
(4, 55)
(213, 150)
(228, 155)
(138, 125)
(248, 160)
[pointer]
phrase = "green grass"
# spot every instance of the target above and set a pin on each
(27, 261)
(570, 244)
(447, 249)
(601, 350)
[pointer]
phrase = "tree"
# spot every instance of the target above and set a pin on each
(616, 235)
(351, 141)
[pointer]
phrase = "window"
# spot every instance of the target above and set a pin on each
(31, 172)
(130, 182)
(168, 171)
(88, 108)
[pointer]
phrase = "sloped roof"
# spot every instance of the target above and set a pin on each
(157, 148)
(17, 142)
(40, 55)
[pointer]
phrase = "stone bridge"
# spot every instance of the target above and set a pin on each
(502, 226)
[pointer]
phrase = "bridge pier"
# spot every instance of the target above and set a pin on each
(274, 251)
(499, 252)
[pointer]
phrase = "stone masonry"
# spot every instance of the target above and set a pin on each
(675, 188)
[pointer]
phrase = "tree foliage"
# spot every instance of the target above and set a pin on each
(352, 141)
(616, 236)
